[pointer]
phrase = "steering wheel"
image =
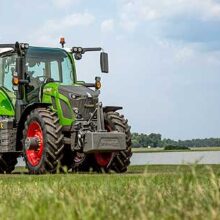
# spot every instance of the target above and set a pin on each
(45, 79)
(39, 77)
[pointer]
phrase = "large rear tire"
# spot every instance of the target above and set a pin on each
(7, 162)
(44, 157)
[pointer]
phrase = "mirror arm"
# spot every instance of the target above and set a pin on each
(89, 84)
(24, 81)
(92, 49)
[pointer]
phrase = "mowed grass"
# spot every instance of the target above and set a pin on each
(145, 192)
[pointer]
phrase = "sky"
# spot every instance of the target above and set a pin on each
(164, 55)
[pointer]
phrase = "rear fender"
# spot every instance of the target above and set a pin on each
(111, 108)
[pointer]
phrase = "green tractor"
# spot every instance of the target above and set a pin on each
(54, 121)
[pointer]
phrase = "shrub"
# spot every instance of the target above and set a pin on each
(175, 147)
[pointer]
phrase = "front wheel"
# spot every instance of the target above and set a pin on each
(116, 161)
(42, 141)
(109, 161)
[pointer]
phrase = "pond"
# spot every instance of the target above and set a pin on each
(201, 157)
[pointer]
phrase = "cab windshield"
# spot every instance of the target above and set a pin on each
(44, 63)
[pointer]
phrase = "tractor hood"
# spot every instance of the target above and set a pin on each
(82, 100)
(78, 91)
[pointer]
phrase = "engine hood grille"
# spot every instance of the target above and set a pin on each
(82, 98)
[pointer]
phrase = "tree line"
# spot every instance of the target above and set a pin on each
(156, 140)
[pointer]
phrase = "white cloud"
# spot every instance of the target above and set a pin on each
(51, 30)
(181, 53)
(134, 12)
(107, 25)
(72, 20)
(184, 54)
(64, 3)
(128, 25)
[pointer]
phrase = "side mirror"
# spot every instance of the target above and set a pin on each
(104, 62)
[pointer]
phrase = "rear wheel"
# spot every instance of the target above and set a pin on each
(42, 141)
(7, 162)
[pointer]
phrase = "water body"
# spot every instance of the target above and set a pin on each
(201, 157)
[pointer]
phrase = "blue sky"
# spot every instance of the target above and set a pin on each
(164, 55)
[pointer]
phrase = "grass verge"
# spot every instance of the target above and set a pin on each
(145, 192)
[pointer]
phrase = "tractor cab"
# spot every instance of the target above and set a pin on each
(44, 65)
(49, 63)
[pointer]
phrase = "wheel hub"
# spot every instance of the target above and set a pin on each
(34, 143)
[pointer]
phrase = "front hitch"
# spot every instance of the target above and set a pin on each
(100, 118)
(104, 142)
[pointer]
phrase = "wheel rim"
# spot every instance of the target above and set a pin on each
(35, 131)
(103, 159)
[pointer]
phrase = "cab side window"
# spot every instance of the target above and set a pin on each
(8, 68)
(36, 72)
(54, 69)
(36, 69)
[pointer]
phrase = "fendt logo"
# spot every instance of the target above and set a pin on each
(1, 126)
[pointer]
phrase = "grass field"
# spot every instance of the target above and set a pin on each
(159, 149)
(145, 192)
